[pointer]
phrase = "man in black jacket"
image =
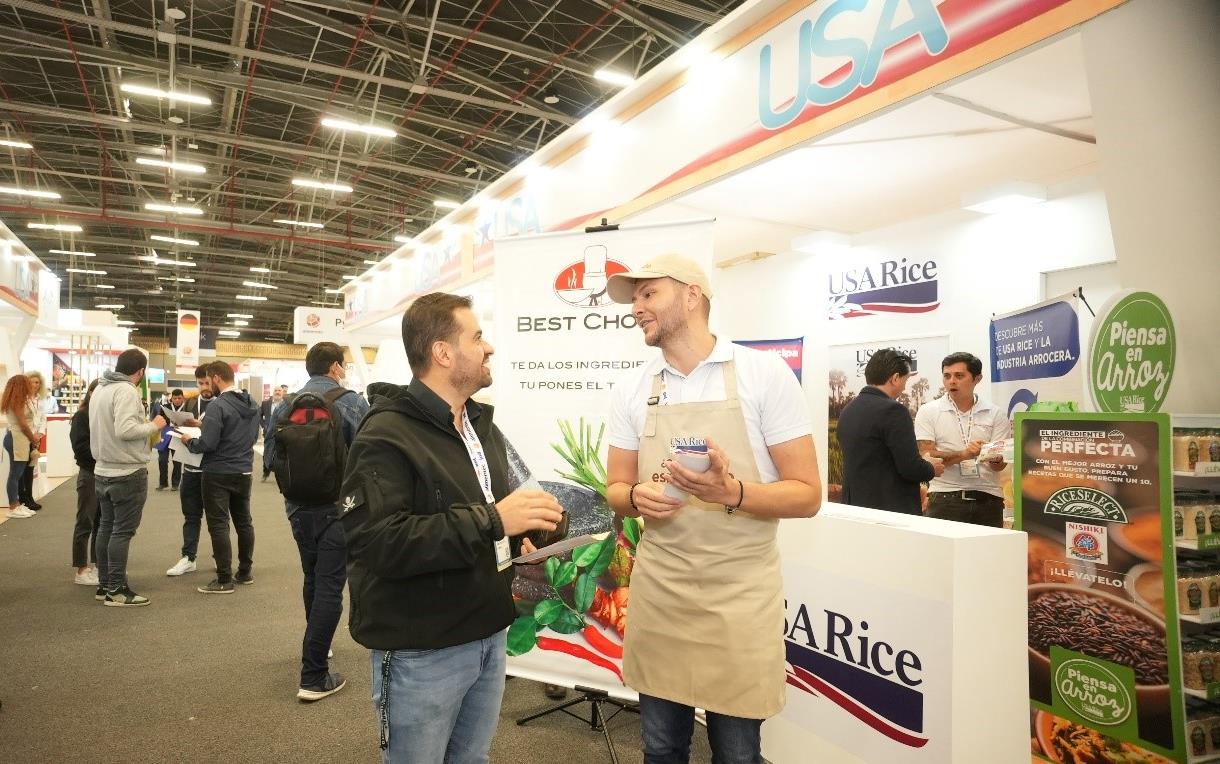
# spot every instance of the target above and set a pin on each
(431, 530)
(227, 444)
(882, 467)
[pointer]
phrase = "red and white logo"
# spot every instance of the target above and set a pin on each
(583, 284)
(1086, 542)
(313, 320)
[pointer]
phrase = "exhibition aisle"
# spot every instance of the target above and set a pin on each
(202, 679)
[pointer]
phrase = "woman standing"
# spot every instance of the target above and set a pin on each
(15, 404)
(87, 506)
(38, 423)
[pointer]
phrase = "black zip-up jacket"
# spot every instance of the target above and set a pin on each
(421, 560)
(78, 434)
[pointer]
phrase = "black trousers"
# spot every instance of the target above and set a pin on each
(192, 512)
(975, 507)
(323, 548)
(225, 497)
(84, 534)
(163, 470)
(25, 489)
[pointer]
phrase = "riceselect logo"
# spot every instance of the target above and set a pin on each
(1087, 503)
(832, 655)
(1094, 692)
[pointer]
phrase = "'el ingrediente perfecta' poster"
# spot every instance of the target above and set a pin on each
(1093, 493)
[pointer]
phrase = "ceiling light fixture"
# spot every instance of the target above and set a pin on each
(16, 144)
(103, 286)
(166, 261)
(229, 333)
(371, 262)
(402, 239)
(239, 322)
(71, 253)
(323, 186)
(471, 168)
(252, 297)
(15, 191)
(179, 166)
(259, 269)
(174, 240)
(240, 315)
(258, 285)
(172, 209)
(614, 77)
(349, 278)
(85, 271)
(126, 323)
(176, 278)
(446, 204)
(333, 291)
(551, 98)
(111, 306)
(298, 223)
(1004, 198)
(170, 95)
(61, 227)
(339, 123)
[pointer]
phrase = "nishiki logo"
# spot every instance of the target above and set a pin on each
(891, 286)
(831, 656)
(584, 284)
(863, 59)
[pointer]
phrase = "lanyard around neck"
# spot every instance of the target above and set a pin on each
(474, 448)
(957, 416)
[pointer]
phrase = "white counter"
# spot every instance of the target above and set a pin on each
(906, 641)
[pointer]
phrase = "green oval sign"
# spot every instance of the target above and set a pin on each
(1133, 353)
(1093, 692)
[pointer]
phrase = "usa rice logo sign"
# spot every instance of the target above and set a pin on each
(895, 286)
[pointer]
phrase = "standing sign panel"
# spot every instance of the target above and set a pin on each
(1035, 356)
(1104, 662)
(560, 346)
(188, 341)
(313, 325)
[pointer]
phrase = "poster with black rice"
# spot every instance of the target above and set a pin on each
(1094, 494)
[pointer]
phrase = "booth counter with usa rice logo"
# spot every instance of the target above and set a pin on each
(905, 641)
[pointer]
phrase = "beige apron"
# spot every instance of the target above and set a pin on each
(705, 619)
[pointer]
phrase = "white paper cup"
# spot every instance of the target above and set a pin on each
(695, 461)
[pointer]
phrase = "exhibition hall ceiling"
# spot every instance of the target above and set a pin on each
(258, 180)
(1028, 118)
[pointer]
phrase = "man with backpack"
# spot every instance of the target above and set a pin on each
(306, 445)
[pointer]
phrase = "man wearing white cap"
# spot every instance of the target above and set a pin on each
(705, 618)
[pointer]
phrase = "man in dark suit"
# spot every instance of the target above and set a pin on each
(265, 411)
(882, 467)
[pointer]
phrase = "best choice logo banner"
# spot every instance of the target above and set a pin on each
(868, 669)
(1035, 355)
(188, 340)
(1104, 660)
(561, 345)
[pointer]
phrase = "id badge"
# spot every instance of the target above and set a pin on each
(504, 557)
(970, 468)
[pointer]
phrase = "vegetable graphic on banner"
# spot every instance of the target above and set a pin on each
(1035, 356)
(1104, 661)
(561, 347)
(1133, 353)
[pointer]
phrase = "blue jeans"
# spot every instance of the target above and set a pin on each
(15, 471)
(440, 706)
(121, 501)
(323, 549)
(667, 727)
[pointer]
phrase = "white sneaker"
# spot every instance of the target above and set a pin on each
(21, 511)
(88, 578)
(185, 565)
(330, 653)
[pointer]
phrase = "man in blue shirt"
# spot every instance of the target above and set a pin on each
(319, 536)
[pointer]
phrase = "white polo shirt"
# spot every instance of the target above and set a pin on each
(939, 421)
(772, 401)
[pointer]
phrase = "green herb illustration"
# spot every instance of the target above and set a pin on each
(583, 454)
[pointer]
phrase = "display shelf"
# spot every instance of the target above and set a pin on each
(1210, 473)
(1211, 616)
(1200, 694)
(1205, 757)
(1210, 543)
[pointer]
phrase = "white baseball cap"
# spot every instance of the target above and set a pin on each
(621, 286)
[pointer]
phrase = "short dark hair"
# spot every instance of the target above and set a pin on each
(321, 357)
(201, 370)
(884, 364)
(973, 364)
(174, 392)
(130, 361)
(430, 319)
(220, 369)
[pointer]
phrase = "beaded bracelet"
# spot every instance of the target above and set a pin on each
(631, 497)
(741, 496)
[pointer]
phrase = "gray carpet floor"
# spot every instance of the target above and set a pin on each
(203, 678)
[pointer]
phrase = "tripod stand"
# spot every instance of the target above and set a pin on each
(597, 721)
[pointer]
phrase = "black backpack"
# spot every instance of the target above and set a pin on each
(310, 451)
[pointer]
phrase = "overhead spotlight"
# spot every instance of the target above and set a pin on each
(614, 77)
(471, 168)
(61, 227)
(171, 95)
(551, 97)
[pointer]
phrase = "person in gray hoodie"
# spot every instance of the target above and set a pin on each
(120, 438)
(227, 445)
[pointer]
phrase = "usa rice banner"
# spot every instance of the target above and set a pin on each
(561, 344)
(1035, 357)
(188, 341)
